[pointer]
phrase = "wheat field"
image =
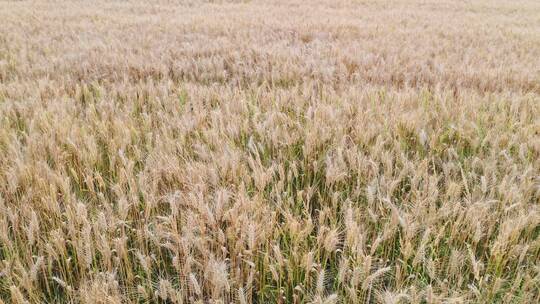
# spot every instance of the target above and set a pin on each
(270, 151)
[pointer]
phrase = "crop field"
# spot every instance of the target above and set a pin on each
(322, 151)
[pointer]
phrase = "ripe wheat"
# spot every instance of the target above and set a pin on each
(270, 151)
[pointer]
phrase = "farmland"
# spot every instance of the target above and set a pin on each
(270, 151)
